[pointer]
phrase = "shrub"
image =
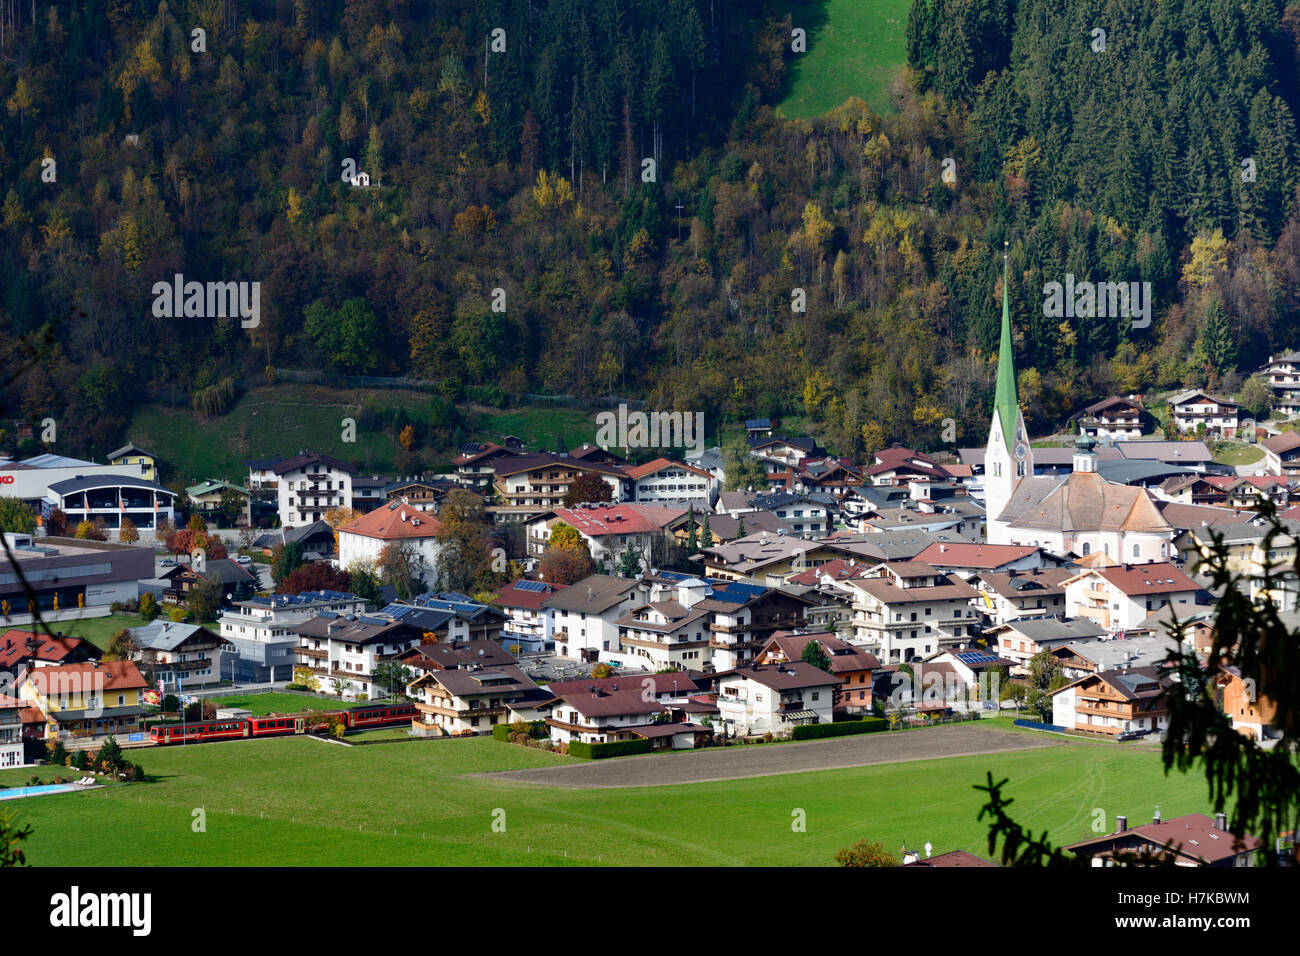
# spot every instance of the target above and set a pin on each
(79, 760)
(617, 748)
(867, 725)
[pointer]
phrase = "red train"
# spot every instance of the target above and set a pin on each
(278, 725)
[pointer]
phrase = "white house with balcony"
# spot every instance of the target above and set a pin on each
(775, 698)
(1194, 408)
(261, 630)
(474, 699)
(667, 482)
(906, 610)
(310, 484)
(343, 653)
(1120, 597)
(584, 616)
(396, 523)
(11, 731)
(602, 716)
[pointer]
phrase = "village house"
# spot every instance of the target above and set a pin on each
(802, 513)
(1283, 374)
(1116, 418)
(1251, 713)
(260, 633)
(531, 485)
(1081, 659)
(968, 560)
(600, 716)
(344, 653)
(315, 540)
(310, 484)
(608, 530)
(585, 616)
(11, 731)
(1005, 596)
(130, 454)
(670, 633)
(1195, 410)
(530, 626)
(1282, 454)
(423, 494)
(261, 474)
(1191, 840)
(1020, 639)
(395, 524)
(232, 581)
(178, 655)
(898, 466)
(1121, 597)
(85, 702)
(667, 483)
(907, 610)
(774, 698)
(474, 699)
(763, 558)
(458, 615)
(781, 453)
(20, 650)
(854, 667)
(723, 528)
(475, 464)
(1113, 702)
(207, 495)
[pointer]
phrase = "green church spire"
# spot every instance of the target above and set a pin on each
(1006, 401)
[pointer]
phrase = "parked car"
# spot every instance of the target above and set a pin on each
(243, 559)
(167, 562)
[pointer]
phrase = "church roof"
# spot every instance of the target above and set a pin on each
(1006, 400)
(1082, 502)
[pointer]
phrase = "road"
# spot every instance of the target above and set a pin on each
(762, 760)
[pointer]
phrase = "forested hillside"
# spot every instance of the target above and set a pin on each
(522, 170)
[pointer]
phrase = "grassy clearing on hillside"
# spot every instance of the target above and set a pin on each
(272, 421)
(855, 48)
(298, 801)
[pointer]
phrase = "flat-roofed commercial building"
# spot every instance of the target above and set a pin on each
(83, 577)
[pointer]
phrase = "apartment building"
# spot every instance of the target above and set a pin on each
(907, 610)
(310, 484)
(343, 653)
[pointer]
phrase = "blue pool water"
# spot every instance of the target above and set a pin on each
(15, 792)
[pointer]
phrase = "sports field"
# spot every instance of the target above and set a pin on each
(855, 48)
(298, 801)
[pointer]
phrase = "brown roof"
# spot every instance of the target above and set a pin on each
(603, 703)
(1194, 835)
(311, 458)
(1036, 583)
(1281, 443)
(789, 676)
(1083, 502)
(594, 594)
(974, 555)
(8, 703)
(845, 658)
(1157, 578)
(680, 682)
(530, 599)
(650, 467)
(889, 593)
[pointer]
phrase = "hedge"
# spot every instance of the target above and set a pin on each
(618, 748)
(537, 729)
(867, 725)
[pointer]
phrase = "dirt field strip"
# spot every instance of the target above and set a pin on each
(765, 760)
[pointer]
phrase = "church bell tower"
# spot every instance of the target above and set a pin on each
(1007, 457)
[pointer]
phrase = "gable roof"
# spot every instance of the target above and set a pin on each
(594, 594)
(944, 554)
(131, 449)
(1082, 502)
(161, 635)
(1141, 579)
(618, 519)
(637, 472)
(792, 675)
(310, 458)
(116, 675)
(394, 521)
(13, 647)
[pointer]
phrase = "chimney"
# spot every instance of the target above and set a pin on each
(1121, 824)
(1221, 821)
(1156, 819)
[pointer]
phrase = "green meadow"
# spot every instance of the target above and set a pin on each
(855, 48)
(298, 801)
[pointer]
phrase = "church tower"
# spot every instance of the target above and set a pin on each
(1007, 457)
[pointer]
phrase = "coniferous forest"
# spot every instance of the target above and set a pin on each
(618, 169)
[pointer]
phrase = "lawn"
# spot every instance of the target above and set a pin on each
(263, 704)
(855, 48)
(1239, 454)
(98, 630)
(298, 801)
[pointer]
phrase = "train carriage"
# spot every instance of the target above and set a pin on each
(280, 725)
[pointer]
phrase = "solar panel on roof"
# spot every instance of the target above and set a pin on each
(470, 448)
(535, 586)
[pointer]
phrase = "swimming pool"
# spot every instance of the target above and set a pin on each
(15, 792)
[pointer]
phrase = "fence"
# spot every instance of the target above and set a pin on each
(1035, 725)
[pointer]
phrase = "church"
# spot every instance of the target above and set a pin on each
(1080, 514)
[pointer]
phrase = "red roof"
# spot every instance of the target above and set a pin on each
(636, 472)
(116, 675)
(1160, 578)
(841, 569)
(959, 555)
(394, 521)
(531, 599)
(8, 703)
(13, 647)
(618, 519)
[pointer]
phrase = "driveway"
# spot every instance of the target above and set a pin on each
(763, 760)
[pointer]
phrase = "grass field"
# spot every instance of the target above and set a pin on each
(298, 801)
(1239, 455)
(99, 630)
(855, 48)
(278, 420)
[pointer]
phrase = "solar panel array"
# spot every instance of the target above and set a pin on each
(534, 586)
(975, 657)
